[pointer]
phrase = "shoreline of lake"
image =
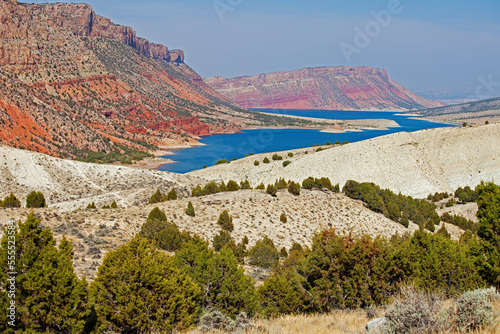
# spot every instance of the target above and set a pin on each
(341, 126)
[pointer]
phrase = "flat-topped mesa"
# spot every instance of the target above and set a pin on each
(83, 21)
(341, 88)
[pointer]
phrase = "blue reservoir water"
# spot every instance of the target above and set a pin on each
(236, 145)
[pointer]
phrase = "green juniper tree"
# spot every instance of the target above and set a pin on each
(223, 283)
(35, 199)
(10, 201)
(49, 296)
(226, 221)
(139, 289)
(190, 209)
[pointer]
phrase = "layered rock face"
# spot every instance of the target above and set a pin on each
(333, 88)
(84, 22)
(72, 81)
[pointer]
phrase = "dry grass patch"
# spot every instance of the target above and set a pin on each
(338, 322)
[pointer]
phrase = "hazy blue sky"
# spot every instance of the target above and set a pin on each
(426, 44)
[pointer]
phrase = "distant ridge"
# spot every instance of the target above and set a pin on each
(339, 88)
(476, 112)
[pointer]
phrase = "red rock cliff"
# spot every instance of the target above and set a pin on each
(336, 88)
(83, 21)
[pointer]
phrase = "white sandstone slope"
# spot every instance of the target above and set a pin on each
(69, 184)
(415, 164)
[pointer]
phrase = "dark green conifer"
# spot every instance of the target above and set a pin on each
(190, 209)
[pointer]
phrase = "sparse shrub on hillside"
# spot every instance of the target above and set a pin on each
(264, 253)
(283, 218)
(290, 154)
(166, 235)
(283, 252)
(106, 207)
(225, 221)
(157, 214)
(308, 183)
(190, 209)
(10, 201)
(256, 163)
(222, 161)
(466, 194)
(277, 157)
(197, 191)
(114, 205)
(91, 206)
(245, 185)
(271, 190)
(294, 188)
(416, 312)
(261, 187)
(164, 298)
(321, 183)
(35, 199)
(474, 309)
(266, 160)
(438, 196)
(216, 321)
(450, 203)
(286, 163)
(232, 186)
(156, 197)
(172, 195)
(210, 188)
(281, 184)
(222, 187)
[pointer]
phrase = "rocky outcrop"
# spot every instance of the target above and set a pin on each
(335, 88)
(84, 22)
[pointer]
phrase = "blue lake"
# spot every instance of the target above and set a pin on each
(236, 145)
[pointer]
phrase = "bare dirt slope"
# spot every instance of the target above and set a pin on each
(70, 185)
(415, 164)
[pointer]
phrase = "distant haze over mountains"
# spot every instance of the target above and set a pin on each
(335, 88)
